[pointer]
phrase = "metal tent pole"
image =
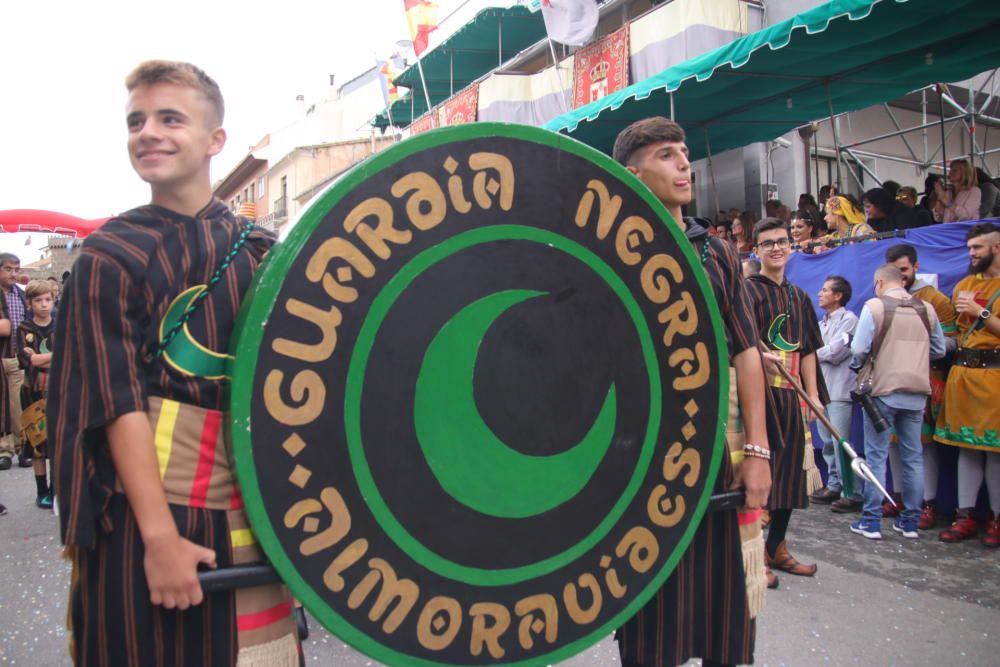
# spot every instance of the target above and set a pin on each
(836, 134)
(944, 139)
(711, 171)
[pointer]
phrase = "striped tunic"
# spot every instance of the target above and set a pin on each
(786, 428)
(701, 610)
(104, 367)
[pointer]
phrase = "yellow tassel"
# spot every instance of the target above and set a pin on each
(814, 481)
(756, 574)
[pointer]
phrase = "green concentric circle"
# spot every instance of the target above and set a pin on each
(355, 386)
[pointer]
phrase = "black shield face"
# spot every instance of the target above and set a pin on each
(477, 399)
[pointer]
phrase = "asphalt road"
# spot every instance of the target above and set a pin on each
(897, 602)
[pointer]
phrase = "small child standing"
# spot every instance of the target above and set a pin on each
(33, 344)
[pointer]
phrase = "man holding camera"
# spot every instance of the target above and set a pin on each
(896, 337)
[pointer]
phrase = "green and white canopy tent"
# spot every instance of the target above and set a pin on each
(492, 37)
(842, 56)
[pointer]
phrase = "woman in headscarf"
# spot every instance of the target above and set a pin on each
(844, 221)
(960, 199)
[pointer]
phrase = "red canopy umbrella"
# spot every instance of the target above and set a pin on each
(31, 220)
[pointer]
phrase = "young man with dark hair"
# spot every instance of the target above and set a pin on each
(790, 332)
(970, 418)
(141, 512)
(904, 257)
(12, 313)
(837, 329)
(706, 607)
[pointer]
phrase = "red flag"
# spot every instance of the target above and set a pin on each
(421, 16)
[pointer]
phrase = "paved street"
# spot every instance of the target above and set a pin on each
(898, 602)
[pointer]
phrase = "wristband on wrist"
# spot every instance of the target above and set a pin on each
(756, 451)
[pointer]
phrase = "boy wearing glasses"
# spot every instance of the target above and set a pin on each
(790, 331)
(12, 312)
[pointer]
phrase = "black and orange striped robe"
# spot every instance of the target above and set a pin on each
(702, 610)
(786, 428)
(104, 366)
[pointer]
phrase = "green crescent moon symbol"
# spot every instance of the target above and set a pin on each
(185, 353)
(471, 463)
(775, 337)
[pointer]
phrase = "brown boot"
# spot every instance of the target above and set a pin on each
(772, 579)
(784, 561)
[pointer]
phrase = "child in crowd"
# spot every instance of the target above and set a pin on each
(33, 345)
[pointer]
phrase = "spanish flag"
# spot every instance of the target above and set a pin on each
(421, 16)
(386, 74)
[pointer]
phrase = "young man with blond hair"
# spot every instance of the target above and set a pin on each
(707, 605)
(140, 513)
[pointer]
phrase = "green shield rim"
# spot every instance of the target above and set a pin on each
(262, 296)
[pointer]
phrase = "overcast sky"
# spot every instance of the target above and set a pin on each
(62, 96)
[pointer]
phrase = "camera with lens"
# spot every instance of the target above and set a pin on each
(864, 397)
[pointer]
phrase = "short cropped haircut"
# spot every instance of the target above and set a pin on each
(840, 285)
(981, 229)
(179, 74)
(889, 274)
(9, 257)
(644, 132)
(37, 288)
(900, 251)
(766, 225)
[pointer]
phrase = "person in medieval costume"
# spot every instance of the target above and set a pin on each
(971, 415)
(790, 332)
(137, 400)
(707, 606)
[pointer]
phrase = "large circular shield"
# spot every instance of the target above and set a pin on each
(477, 399)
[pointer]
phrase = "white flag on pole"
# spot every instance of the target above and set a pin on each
(570, 22)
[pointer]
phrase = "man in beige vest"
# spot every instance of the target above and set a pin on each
(897, 335)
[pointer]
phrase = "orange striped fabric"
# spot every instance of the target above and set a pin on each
(192, 454)
(792, 362)
(197, 472)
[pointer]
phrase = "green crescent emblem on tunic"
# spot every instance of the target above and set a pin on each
(472, 464)
(775, 337)
(184, 353)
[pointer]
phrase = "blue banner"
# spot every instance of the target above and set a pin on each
(940, 248)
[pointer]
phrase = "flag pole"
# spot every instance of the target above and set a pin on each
(555, 65)
(423, 82)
